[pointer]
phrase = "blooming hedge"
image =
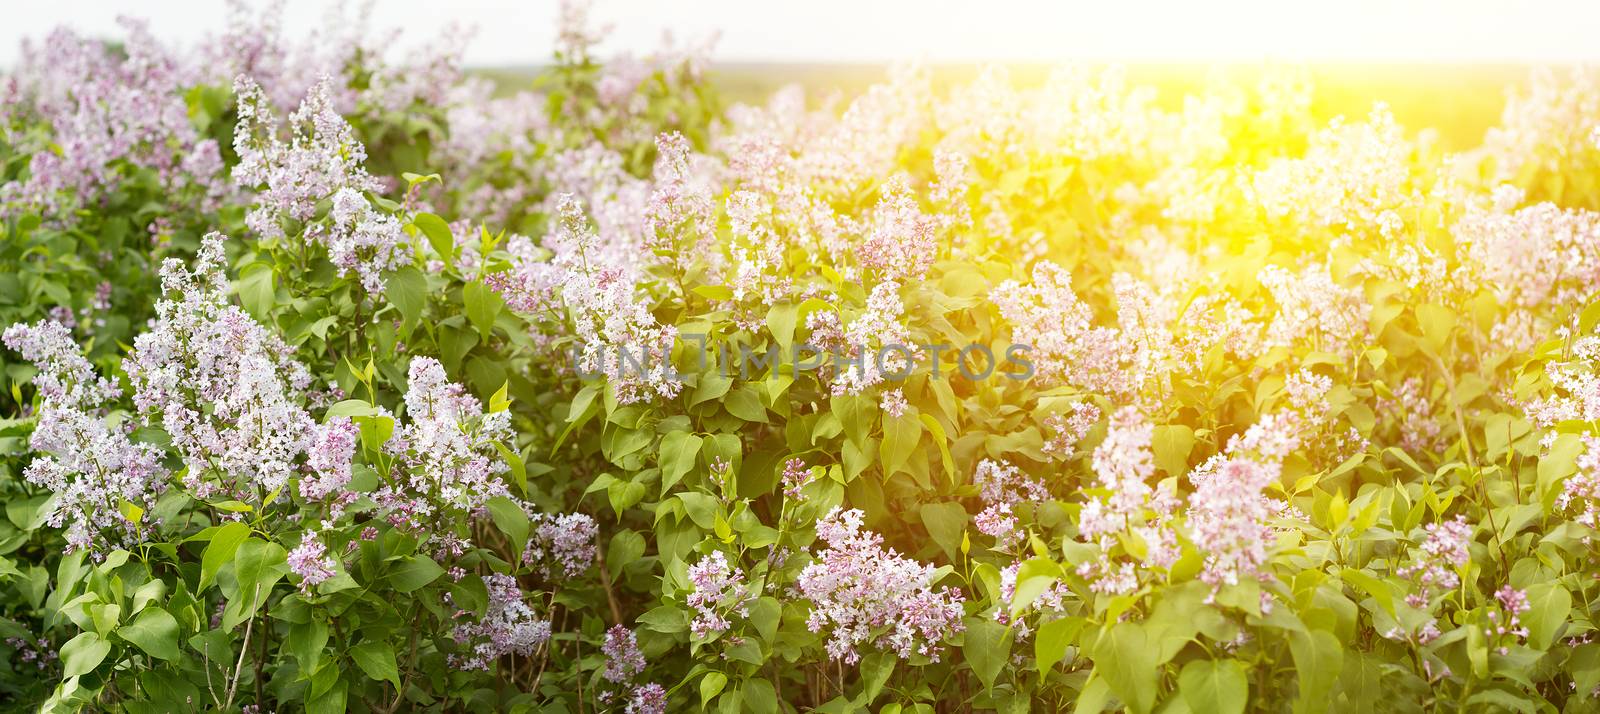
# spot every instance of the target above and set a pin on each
(339, 380)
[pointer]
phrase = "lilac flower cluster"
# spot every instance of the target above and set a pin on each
(562, 544)
(597, 293)
(311, 562)
(507, 626)
(226, 389)
(795, 477)
(323, 160)
(1436, 564)
(106, 108)
(1229, 509)
(1068, 348)
(1051, 601)
(881, 324)
(36, 652)
(624, 662)
(1069, 429)
(716, 593)
(1003, 487)
(446, 463)
(1508, 620)
(93, 468)
(1124, 465)
(869, 596)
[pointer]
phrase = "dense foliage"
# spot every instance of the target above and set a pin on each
(338, 381)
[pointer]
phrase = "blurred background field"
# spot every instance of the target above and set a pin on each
(1459, 101)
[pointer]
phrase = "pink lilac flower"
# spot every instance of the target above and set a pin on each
(1124, 464)
(1514, 602)
(507, 626)
(900, 243)
(1228, 517)
(795, 477)
(893, 403)
(1002, 487)
(1069, 429)
(1435, 565)
(562, 544)
(333, 445)
(1412, 410)
(445, 456)
(1067, 347)
(648, 699)
(595, 292)
(323, 160)
(1051, 601)
(715, 594)
(868, 340)
(997, 522)
(91, 465)
(310, 561)
(1000, 482)
(65, 378)
(624, 661)
(226, 389)
(1108, 578)
(865, 595)
(104, 107)
(678, 204)
(1580, 493)
(1313, 310)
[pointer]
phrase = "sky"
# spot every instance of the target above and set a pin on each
(520, 33)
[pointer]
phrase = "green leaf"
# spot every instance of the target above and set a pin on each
(765, 614)
(1034, 577)
(936, 430)
(1214, 686)
(745, 403)
(1171, 444)
(511, 519)
(407, 289)
(987, 648)
(710, 686)
(414, 572)
(875, 668)
(257, 566)
(626, 547)
(482, 305)
(759, 697)
(677, 457)
(1052, 640)
(255, 288)
(1318, 659)
(1370, 584)
(1127, 659)
(1436, 322)
(780, 322)
(330, 701)
(438, 234)
(377, 660)
(901, 435)
(713, 292)
(224, 542)
(155, 631)
(82, 654)
(306, 642)
(702, 508)
(946, 522)
(1548, 606)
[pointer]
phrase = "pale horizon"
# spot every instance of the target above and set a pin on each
(936, 31)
